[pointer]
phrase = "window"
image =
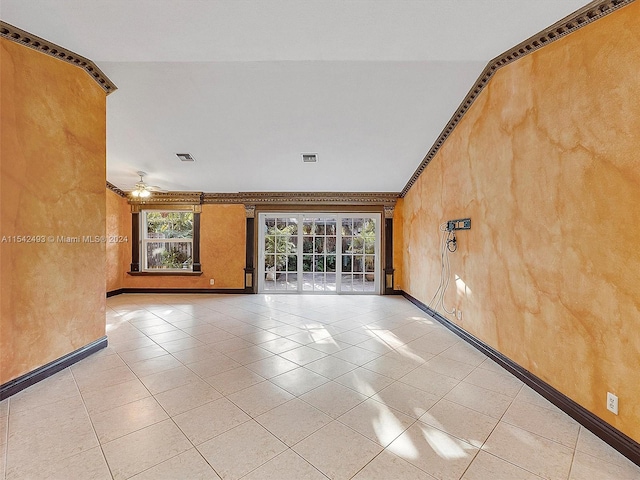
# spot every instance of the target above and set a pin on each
(167, 240)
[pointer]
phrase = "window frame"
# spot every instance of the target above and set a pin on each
(138, 236)
(145, 241)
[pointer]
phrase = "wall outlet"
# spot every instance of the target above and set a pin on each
(211, 281)
(459, 314)
(612, 403)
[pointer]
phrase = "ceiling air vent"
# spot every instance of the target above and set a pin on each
(185, 157)
(309, 158)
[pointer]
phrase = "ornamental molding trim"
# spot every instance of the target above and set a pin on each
(250, 211)
(168, 198)
(116, 190)
(580, 18)
(303, 198)
(22, 37)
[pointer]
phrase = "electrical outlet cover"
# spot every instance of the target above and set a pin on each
(612, 403)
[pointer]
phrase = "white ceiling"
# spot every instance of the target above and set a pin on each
(247, 86)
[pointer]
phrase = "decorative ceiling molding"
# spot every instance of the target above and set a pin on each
(21, 37)
(116, 190)
(586, 15)
(169, 198)
(303, 198)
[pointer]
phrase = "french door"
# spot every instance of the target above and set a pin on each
(319, 253)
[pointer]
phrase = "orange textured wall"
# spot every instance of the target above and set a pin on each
(546, 164)
(118, 241)
(398, 243)
(52, 165)
(222, 250)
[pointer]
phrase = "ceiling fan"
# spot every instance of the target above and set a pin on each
(142, 190)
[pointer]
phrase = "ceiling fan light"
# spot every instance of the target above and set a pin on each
(144, 193)
(135, 193)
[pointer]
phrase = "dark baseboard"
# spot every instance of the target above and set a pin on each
(609, 434)
(16, 385)
(234, 291)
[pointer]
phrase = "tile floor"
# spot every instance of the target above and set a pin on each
(289, 387)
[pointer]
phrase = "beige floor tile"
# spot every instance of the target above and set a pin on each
(286, 466)
(187, 397)
(502, 383)
(34, 437)
(292, 421)
(4, 431)
(121, 421)
(364, 381)
(450, 368)
(377, 421)
(50, 390)
(329, 345)
(285, 330)
(462, 422)
(215, 337)
(479, 399)
(333, 398)
(167, 337)
(154, 329)
(95, 381)
(356, 355)
(377, 345)
(89, 465)
(195, 326)
(209, 420)
(231, 345)
(407, 399)
(233, 381)
(299, 380)
(489, 467)
(153, 365)
(114, 396)
(302, 355)
(213, 365)
(337, 451)
(330, 367)
(426, 379)
(144, 353)
(97, 363)
(178, 345)
(310, 336)
(260, 398)
(353, 337)
(249, 355)
(132, 344)
(554, 425)
(241, 450)
(272, 366)
(591, 445)
(4, 407)
(464, 353)
(489, 364)
(586, 467)
(188, 465)
(144, 449)
(433, 451)
(392, 365)
(388, 466)
(528, 395)
(279, 345)
(169, 379)
(529, 451)
(433, 343)
(259, 336)
(3, 462)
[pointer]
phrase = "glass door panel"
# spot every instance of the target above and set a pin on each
(319, 253)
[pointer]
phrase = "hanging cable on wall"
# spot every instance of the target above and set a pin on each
(448, 244)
